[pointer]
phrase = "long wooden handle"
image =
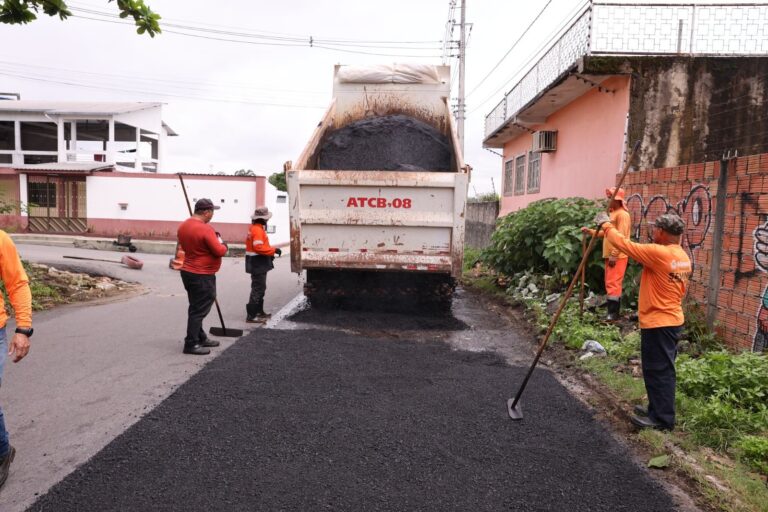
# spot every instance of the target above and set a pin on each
(569, 290)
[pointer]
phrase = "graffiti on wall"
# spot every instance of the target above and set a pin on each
(760, 343)
(695, 209)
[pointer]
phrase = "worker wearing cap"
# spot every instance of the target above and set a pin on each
(203, 250)
(258, 261)
(17, 286)
(666, 269)
(615, 259)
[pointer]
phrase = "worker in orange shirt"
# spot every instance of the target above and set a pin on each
(203, 249)
(615, 259)
(258, 261)
(17, 285)
(666, 269)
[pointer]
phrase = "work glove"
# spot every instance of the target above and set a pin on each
(279, 252)
(602, 218)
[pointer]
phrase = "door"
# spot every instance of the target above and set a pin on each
(56, 204)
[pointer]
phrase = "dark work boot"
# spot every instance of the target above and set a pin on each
(208, 342)
(251, 310)
(5, 464)
(613, 311)
(196, 349)
(260, 316)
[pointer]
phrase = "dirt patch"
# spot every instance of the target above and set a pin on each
(387, 143)
(52, 286)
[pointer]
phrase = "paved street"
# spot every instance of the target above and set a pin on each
(94, 369)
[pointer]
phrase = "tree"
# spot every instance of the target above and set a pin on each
(243, 172)
(20, 12)
(278, 181)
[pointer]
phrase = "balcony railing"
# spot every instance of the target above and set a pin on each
(611, 28)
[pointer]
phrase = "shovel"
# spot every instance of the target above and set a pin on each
(128, 261)
(216, 331)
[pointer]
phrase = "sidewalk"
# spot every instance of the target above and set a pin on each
(107, 244)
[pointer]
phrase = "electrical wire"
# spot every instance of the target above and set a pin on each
(514, 45)
(155, 93)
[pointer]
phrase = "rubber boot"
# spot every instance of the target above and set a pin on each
(261, 316)
(613, 310)
(250, 313)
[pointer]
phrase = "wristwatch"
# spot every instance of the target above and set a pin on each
(26, 331)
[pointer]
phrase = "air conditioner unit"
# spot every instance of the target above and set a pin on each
(544, 142)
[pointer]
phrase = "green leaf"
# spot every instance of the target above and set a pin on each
(660, 462)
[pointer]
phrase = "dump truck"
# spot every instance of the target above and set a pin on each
(390, 235)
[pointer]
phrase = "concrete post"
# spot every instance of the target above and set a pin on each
(717, 244)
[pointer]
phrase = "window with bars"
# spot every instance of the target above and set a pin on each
(520, 175)
(534, 172)
(508, 182)
(42, 194)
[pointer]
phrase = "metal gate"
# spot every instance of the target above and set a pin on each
(56, 204)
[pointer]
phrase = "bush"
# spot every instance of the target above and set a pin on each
(545, 237)
(574, 329)
(753, 451)
(740, 380)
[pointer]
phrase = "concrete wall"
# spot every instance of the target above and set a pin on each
(480, 223)
(687, 110)
(725, 206)
(590, 147)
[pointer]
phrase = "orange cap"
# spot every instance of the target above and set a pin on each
(619, 195)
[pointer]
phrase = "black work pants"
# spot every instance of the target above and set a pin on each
(201, 292)
(258, 288)
(658, 350)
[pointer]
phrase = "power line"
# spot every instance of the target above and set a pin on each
(514, 45)
(155, 93)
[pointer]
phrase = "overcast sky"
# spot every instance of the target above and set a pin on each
(242, 105)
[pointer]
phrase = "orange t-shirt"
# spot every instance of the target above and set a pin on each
(621, 220)
(257, 241)
(16, 283)
(666, 269)
(202, 249)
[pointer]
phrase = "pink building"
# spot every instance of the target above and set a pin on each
(620, 73)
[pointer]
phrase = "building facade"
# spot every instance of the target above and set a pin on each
(687, 81)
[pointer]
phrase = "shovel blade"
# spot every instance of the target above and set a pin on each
(516, 412)
(227, 333)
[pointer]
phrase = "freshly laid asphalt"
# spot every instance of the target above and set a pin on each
(320, 420)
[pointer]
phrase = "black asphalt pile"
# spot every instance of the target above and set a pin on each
(376, 320)
(387, 143)
(308, 420)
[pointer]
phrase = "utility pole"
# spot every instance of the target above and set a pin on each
(462, 56)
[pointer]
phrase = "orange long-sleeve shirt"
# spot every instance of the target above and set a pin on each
(622, 221)
(257, 241)
(16, 283)
(202, 249)
(666, 269)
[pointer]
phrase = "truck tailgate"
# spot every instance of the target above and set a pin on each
(377, 220)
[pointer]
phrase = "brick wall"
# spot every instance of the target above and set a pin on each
(725, 207)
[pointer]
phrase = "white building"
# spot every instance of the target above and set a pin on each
(97, 168)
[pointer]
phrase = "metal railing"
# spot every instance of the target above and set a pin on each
(612, 28)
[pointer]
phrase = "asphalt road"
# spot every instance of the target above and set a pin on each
(95, 369)
(301, 420)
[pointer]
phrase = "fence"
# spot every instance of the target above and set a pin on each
(725, 207)
(608, 28)
(480, 223)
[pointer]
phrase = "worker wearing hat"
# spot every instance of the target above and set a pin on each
(666, 269)
(258, 261)
(203, 250)
(615, 260)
